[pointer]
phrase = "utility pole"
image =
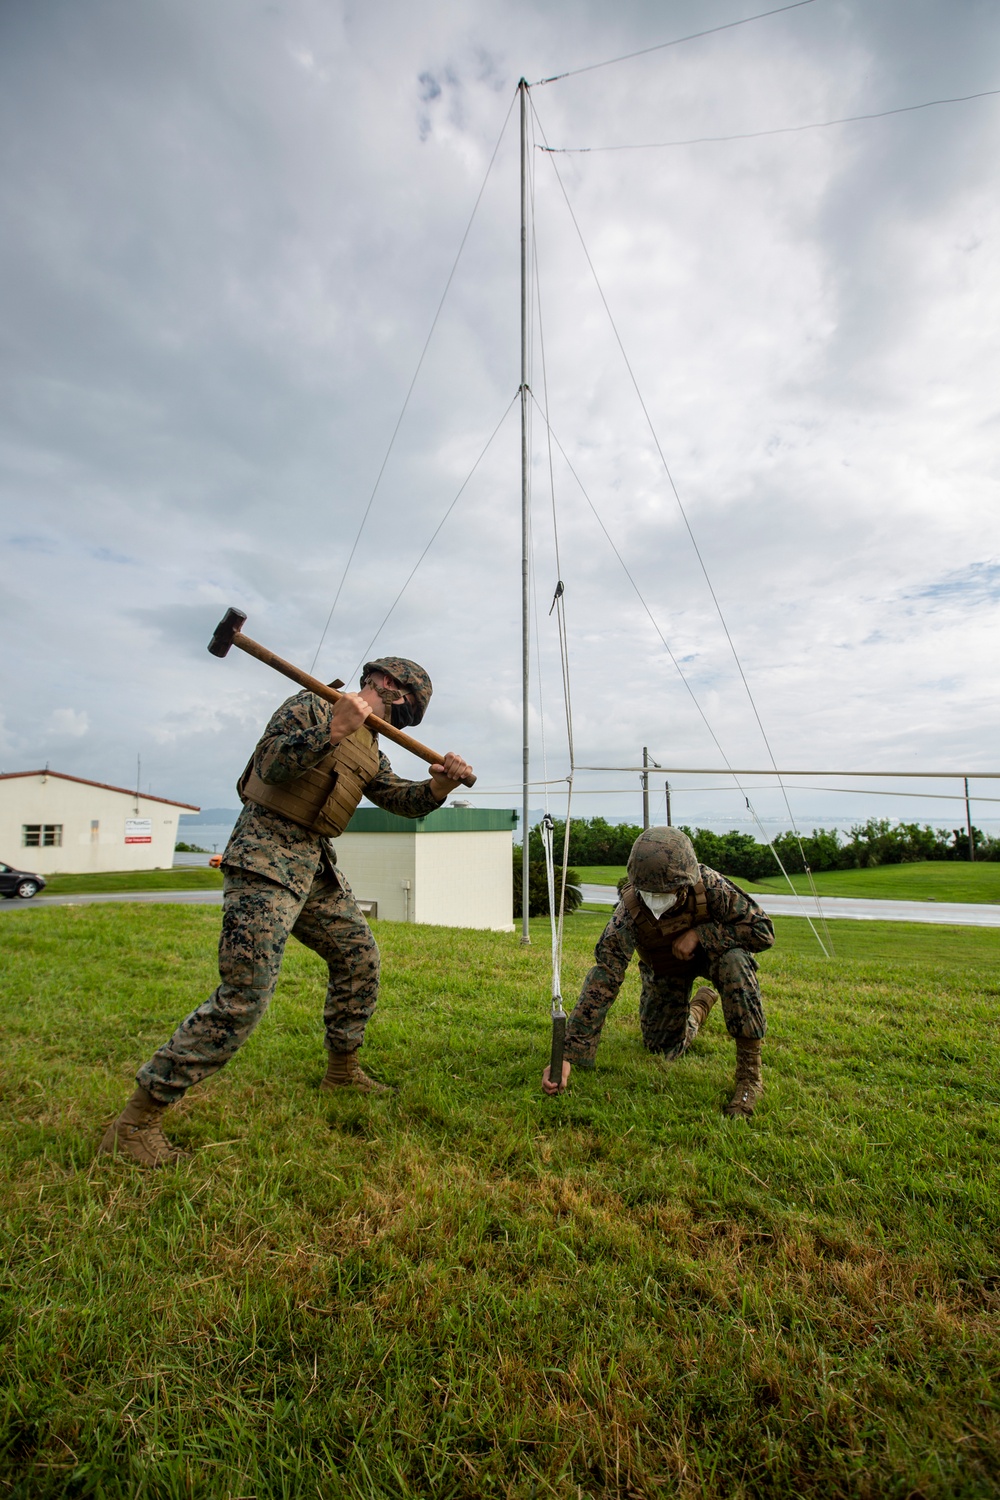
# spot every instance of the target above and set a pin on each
(522, 89)
(968, 821)
(647, 760)
(645, 790)
(666, 789)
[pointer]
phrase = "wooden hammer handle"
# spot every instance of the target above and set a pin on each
(423, 752)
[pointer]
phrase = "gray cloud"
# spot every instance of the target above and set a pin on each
(228, 230)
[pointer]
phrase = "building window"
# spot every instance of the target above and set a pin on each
(95, 830)
(41, 835)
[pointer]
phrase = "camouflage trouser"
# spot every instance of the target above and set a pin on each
(257, 916)
(664, 1002)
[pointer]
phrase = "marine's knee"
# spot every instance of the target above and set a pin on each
(737, 967)
(735, 977)
(230, 1009)
(364, 959)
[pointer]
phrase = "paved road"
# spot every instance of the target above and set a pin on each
(951, 913)
(191, 898)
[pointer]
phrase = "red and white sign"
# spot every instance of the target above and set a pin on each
(138, 830)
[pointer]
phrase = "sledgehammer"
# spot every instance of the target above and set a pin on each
(229, 632)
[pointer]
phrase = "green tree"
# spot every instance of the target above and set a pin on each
(538, 890)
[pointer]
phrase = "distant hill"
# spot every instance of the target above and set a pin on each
(211, 815)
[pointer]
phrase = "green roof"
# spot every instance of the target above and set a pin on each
(444, 820)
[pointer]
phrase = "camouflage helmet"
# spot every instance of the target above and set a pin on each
(409, 675)
(662, 860)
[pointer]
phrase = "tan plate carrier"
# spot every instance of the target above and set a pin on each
(325, 798)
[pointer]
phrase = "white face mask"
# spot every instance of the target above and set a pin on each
(658, 904)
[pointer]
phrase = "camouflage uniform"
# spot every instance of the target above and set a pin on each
(281, 879)
(736, 929)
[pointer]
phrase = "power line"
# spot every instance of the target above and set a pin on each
(676, 494)
(691, 693)
(773, 770)
(752, 135)
(659, 46)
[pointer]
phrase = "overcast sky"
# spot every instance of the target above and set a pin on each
(226, 229)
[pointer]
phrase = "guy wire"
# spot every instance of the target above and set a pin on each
(434, 533)
(409, 393)
(691, 693)
(680, 505)
(660, 46)
(756, 135)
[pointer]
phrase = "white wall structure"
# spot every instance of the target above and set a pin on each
(453, 868)
(51, 823)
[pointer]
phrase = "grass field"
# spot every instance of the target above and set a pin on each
(463, 1289)
(926, 880)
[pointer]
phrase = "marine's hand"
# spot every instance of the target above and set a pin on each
(552, 1088)
(448, 775)
(684, 946)
(348, 715)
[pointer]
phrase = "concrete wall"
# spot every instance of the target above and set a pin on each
(461, 879)
(93, 820)
(376, 864)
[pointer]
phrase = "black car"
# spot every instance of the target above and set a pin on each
(19, 883)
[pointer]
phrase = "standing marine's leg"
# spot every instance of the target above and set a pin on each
(332, 925)
(257, 916)
(734, 975)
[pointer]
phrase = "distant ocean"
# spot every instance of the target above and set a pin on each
(209, 829)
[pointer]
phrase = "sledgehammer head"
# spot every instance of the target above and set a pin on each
(231, 623)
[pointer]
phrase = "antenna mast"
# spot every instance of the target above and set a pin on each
(525, 616)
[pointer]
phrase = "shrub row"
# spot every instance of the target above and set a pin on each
(538, 890)
(593, 841)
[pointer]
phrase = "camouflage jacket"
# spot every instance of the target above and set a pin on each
(296, 739)
(735, 921)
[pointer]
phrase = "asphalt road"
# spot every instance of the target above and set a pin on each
(849, 908)
(172, 898)
(947, 913)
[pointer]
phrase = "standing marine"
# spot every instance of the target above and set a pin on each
(310, 769)
(685, 922)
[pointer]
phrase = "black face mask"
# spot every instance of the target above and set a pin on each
(404, 714)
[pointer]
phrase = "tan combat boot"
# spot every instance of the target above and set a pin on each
(702, 1003)
(749, 1084)
(137, 1133)
(343, 1071)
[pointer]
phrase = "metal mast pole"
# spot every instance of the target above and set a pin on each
(645, 789)
(968, 821)
(525, 617)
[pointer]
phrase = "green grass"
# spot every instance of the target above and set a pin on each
(926, 880)
(464, 1289)
(600, 874)
(185, 878)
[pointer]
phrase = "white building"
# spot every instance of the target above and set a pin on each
(51, 824)
(453, 868)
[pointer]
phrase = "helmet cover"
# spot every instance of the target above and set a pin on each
(662, 860)
(409, 676)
